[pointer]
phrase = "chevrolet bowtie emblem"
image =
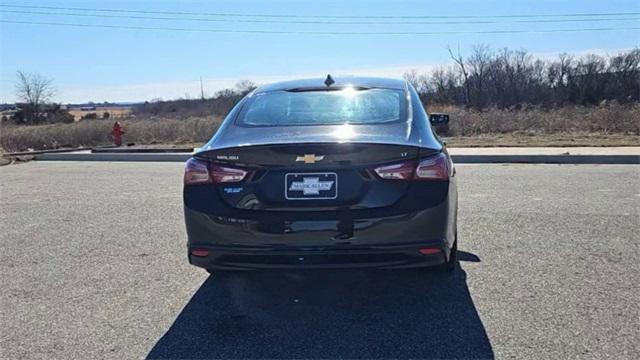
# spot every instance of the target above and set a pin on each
(309, 158)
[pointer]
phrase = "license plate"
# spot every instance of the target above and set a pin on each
(311, 186)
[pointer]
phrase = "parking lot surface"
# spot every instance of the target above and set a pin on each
(93, 265)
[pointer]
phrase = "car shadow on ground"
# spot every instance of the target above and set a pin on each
(329, 314)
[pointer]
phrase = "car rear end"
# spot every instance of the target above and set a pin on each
(342, 194)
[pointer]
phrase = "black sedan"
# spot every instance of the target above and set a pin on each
(323, 173)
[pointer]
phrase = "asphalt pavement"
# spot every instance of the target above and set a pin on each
(93, 265)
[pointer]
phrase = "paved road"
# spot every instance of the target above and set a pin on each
(93, 265)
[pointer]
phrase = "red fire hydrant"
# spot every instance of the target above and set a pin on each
(117, 132)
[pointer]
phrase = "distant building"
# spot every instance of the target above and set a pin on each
(7, 110)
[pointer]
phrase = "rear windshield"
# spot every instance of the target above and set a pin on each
(346, 106)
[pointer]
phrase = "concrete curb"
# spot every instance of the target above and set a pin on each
(37, 152)
(458, 159)
(143, 150)
(546, 159)
(142, 157)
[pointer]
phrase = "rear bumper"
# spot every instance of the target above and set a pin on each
(331, 257)
(302, 230)
(383, 238)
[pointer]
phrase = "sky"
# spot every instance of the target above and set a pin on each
(115, 56)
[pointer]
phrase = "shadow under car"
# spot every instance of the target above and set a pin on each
(329, 314)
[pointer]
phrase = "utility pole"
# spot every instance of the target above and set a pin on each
(201, 89)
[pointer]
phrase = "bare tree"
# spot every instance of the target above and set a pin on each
(34, 90)
(412, 77)
(465, 74)
(419, 81)
(591, 79)
(626, 70)
(440, 86)
(478, 62)
(245, 86)
(559, 74)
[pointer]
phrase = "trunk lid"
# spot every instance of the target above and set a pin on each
(312, 176)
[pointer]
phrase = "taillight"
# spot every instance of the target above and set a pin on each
(400, 171)
(222, 174)
(432, 168)
(201, 172)
(196, 172)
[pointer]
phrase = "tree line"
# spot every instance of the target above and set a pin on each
(485, 78)
(510, 78)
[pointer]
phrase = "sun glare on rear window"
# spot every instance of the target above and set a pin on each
(345, 106)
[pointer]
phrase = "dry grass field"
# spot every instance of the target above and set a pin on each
(94, 132)
(606, 125)
(117, 112)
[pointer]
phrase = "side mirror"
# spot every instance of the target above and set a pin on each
(437, 119)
